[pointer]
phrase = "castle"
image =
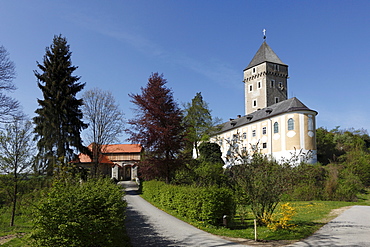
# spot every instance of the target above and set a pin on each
(279, 127)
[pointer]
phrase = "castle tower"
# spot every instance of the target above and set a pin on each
(265, 80)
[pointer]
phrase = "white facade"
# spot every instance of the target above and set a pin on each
(278, 127)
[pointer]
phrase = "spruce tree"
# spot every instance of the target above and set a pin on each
(198, 122)
(59, 118)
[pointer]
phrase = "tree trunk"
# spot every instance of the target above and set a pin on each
(14, 202)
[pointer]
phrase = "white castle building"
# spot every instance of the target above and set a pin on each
(273, 124)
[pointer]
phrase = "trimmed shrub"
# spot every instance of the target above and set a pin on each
(87, 214)
(208, 204)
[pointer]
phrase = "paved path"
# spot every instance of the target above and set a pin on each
(148, 226)
(351, 228)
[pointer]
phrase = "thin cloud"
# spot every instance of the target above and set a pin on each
(216, 71)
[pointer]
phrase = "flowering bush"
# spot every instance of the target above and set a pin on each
(281, 220)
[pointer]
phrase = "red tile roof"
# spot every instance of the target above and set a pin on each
(120, 148)
(86, 159)
(111, 148)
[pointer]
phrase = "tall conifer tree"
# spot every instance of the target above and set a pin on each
(198, 121)
(59, 118)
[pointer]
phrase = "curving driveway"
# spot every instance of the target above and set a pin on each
(351, 228)
(148, 226)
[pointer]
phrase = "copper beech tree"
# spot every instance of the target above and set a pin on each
(157, 127)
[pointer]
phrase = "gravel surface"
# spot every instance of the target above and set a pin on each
(148, 226)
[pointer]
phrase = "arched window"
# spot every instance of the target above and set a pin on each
(276, 127)
(290, 124)
(310, 123)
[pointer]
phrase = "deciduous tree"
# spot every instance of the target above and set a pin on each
(105, 121)
(157, 127)
(16, 154)
(9, 107)
(262, 182)
(59, 117)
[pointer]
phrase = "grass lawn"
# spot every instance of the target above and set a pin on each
(14, 236)
(309, 217)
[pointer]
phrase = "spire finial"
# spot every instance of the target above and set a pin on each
(264, 34)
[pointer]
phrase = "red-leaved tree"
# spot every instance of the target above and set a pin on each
(157, 127)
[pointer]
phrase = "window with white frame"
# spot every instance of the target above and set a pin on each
(290, 124)
(254, 103)
(310, 122)
(259, 84)
(245, 135)
(253, 133)
(264, 131)
(276, 127)
(264, 145)
(250, 88)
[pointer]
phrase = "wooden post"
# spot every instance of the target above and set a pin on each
(255, 230)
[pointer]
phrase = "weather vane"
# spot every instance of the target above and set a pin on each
(264, 34)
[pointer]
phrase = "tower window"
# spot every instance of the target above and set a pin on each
(276, 127)
(259, 84)
(276, 100)
(281, 85)
(250, 88)
(254, 70)
(264, 131)
(254, 103)
(290, 124)
(272, 83)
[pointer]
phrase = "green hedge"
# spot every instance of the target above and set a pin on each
(87, 214)
(208, 204)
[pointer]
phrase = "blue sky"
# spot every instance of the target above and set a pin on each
(200, 46)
